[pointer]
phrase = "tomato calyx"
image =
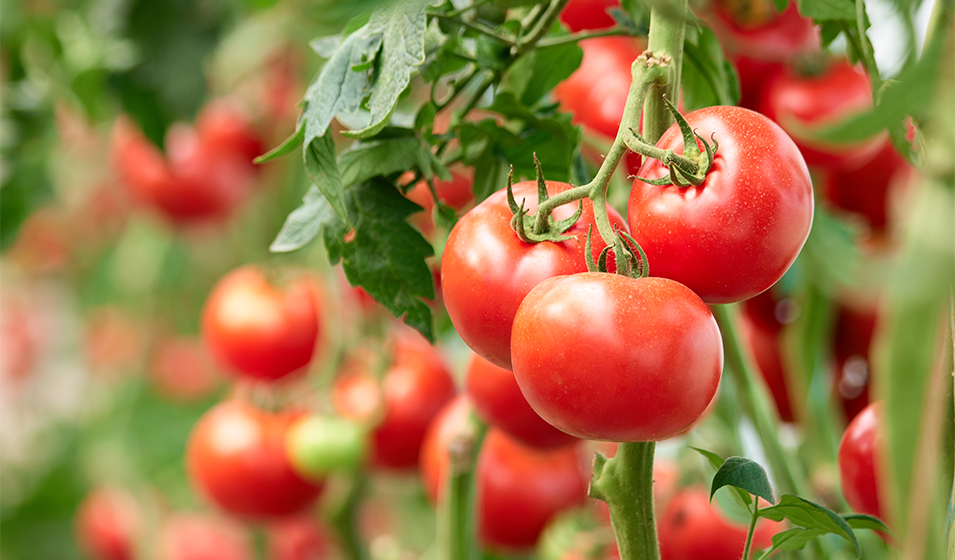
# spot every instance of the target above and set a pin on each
(687, 169)
(541, 226)
(634, 262)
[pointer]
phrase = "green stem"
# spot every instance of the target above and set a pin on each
(456, 513)
(755, 401)
(665, 41)
(752, 528)
(344, 520)
(625, 483)
(476, 27)
(557, 41)
(541, 27)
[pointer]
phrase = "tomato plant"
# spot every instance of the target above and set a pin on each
(644, 366)
(860, 461)
(236, 458)
(258, 330)
(486, 270)
(730, 237)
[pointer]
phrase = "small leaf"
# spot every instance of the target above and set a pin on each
(321, 166)
(796, 538)
(822, 10)
(547, 68)
(862, 521)
(714, 460)
(304, 223)
(380, 157)
(287, 147)
(809, 515)
(744, 474)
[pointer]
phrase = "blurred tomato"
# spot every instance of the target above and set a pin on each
(182, 369)
(298, 538)
(852, 338)
(224, 130)
(114, 342)
(762, 332)
(107, 524)
(580, 15)
(18, 342)
(859, 461)
(456, 193)
(188, 536)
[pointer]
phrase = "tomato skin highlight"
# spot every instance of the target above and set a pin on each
(736, 234)
(486, 270)
(236, 457)
(601, 356)
(859, 460)
(499, 402)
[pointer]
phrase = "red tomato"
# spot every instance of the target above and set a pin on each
(486, 270)
(414, 388)
(691, 529)
(258, 330)
(107, 524)
(298, 538)
(499, 401)
(19, 341)
(852, 337)
(236, 458)
(733, 236)
(804, 104)
(859, 461)
(456, 193)
(606, 62)
(187, 536)
(762, 332)
(606, 357)
(224, 129)
(182, 369)
(580, 15)
(520, 488)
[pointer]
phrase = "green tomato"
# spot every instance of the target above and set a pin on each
(319, 445)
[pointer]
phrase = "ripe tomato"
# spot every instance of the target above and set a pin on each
(182, 369)
(456, 193)
(519, 488)
(852, 337)
(804, 104)
(414, 388)
(762, 332)
(236, 457)
(225, 130)
(580, 15)
(606, 61)
(486, 270)
(601, 356)
(860, 460)
(692, 528)
(258, 330)
(736, 234)
(298, 538)
(188, 536)
(499, 402)
(107, 524)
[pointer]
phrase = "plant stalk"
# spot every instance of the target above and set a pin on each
(665, 41)
(625, 483)
(457, 512)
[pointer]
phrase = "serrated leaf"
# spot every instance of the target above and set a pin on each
(304, 223)
(862, 521)
(322, 168)
(795, 539)
(380, 157)
(548, 67)
(338, 88)
(383, 253)
(822, 10)
(284, 149)
(714, 460)
(744, 474)
(809, 515)
(401, 27)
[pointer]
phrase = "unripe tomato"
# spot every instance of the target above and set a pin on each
(236, 458)
(107, 524)
(579, 15)
(519, 488)
(499, 402)
(860, 461)
(319, 445)
(736, 234)
(258, 330)
(692, 528)
(601, 356)
(486, 270)
(186, 536)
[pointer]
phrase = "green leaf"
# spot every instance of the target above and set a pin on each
(490, 175)
(547, 68)
(862, 521)
(708, 78)
(287, 147)
(809, 515)
(380, 157)
(338, 88)
(321, 166)
(795, 539)
(828, 32)
(304, 223)
(383, 253)
(579, 173)
(714, 460)
(744, 474)
(780, 5)
(401, 27)
(822, 10)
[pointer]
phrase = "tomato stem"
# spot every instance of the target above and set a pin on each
(625, 483)
(665, 40)
(752, 529)
(456, 513)
(344, 519)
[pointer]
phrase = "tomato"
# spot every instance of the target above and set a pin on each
(19, 339)
(580, 15)
(803, 104)
(499, 402)
(190, 536)
(456, 193)
(319, 445)
(298, 538)
(860, 462)
(224, 129)
(519, 488)
(601, 356)
(762, 332)
(182, 369)
(736, 234)
(852, 338)
(258, 330)
(692, 528)
(114, 343)
(760, 42)
(107, 524)
(486, 270)
(606, 61)
(236, 457)
(412, 391)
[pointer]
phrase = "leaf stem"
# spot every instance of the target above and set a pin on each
(456, 513)
(625, 483)
(752, 528)
(540, 28)
(574, 38)
(476, 27)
